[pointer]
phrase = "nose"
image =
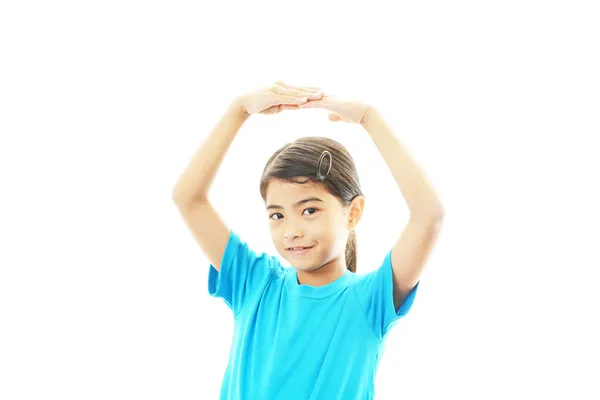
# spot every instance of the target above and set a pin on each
(291, 236)
(292, 231)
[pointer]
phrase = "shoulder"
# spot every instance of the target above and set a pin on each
(380, 270)
(241, 251)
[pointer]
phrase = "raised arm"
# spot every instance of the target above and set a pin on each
(191, 190)
(416, 241)
(190, 193)
(413, 247)
(194, 183)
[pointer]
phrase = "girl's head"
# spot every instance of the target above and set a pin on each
(313, 199)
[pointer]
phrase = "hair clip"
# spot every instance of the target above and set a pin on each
(320, 176)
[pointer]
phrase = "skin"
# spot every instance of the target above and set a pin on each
(416, 239)
(323, 224)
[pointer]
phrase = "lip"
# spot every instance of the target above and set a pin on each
(300, 252)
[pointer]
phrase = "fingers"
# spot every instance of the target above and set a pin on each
(290, 107)
(322, 103)
(307, 91)
(292, 100)
(290, 93)
(337, 117)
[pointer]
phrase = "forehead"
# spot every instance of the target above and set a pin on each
(286, 193)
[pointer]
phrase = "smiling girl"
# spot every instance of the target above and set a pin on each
(315, 330)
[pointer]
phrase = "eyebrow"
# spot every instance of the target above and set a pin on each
(296, 204)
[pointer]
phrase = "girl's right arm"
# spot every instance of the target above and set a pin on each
(191, 190)
(190, 193)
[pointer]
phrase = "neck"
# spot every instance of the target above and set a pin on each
(324, 275)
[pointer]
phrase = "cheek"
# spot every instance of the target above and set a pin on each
(327, 235)
(275, 234)
(336, 234)
(321, 231)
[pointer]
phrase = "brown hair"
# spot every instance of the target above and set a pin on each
(337, 174)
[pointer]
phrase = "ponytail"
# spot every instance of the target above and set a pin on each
(351, 252)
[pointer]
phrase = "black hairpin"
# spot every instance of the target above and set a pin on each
(321, 176)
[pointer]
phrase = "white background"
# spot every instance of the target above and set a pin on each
(103, 291)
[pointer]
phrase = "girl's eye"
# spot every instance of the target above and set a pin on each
(278, 216)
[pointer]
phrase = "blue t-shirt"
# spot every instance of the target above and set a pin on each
(293, 341)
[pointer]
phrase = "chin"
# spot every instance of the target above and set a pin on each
(305, 266)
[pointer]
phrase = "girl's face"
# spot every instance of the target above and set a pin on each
(309, 226)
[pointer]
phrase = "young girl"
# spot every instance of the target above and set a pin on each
(316, 330)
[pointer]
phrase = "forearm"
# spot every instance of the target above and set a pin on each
(197, 178)
(417, 192)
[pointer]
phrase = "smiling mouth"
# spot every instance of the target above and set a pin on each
(299, 249)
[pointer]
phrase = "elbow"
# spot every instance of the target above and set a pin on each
(438, 213)
(176, 196)
(184, 200)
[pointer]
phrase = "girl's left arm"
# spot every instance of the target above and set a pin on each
(411, 251)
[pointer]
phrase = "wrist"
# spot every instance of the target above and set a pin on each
(236, 110)
(369, 115)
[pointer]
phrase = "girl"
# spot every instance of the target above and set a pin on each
(316, 330)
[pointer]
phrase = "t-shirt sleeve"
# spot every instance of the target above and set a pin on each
(241, 275)
(375, 292)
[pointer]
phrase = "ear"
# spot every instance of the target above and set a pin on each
(355, 211)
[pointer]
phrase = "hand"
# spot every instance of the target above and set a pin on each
(276, 98)
(343, 110)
